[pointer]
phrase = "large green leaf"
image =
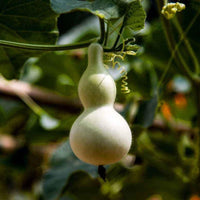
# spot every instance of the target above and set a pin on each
(107, 9)
(27, 21)
(135, 16)
(63, 164)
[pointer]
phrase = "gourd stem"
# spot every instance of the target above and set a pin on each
(37, 47)
(42, 47)
(102, 172)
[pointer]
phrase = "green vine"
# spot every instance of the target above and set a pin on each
(180, 61)
(187, 43)
(37, 47)
(184, 33)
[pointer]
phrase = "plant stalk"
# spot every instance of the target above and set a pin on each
(172, 45)
(37, 47)
(193, 77)
(102, 28)
(187, 43)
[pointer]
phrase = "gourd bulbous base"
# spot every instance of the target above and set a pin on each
(100, 136)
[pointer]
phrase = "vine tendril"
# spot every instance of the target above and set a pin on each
(123, 72)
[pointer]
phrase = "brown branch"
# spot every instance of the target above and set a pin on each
(39, 95)
(42, 96)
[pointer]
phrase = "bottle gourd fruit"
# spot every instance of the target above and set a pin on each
(100, 135)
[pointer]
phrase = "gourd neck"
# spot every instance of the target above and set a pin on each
(95, 55)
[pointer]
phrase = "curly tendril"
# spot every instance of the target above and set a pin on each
(123, 72)
(112, 57)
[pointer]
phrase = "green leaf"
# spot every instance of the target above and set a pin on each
(135, 16)
(10, 108)
(107, 9)
(60, 68)
(28, 22)
(37, 133)
(63, 163)
(114, 27)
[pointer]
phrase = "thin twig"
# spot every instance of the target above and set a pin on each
(176, 48)
(172, 44)
(187, 43)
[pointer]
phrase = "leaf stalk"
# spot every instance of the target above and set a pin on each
(102, 28)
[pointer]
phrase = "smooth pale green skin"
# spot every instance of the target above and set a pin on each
(100, 135)
(96, 86)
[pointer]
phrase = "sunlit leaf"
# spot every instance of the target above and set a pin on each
(135, 16)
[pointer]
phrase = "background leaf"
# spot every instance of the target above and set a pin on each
(135, 16)
(107, 8)
(28, 22)
(63, 163)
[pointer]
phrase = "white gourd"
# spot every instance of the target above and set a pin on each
(100, 135)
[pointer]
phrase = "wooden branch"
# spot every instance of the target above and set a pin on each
(39, 95)
(42, 96)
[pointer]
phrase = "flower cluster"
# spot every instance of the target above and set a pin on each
(170, 9)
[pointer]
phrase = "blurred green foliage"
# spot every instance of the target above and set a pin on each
(163, 163)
